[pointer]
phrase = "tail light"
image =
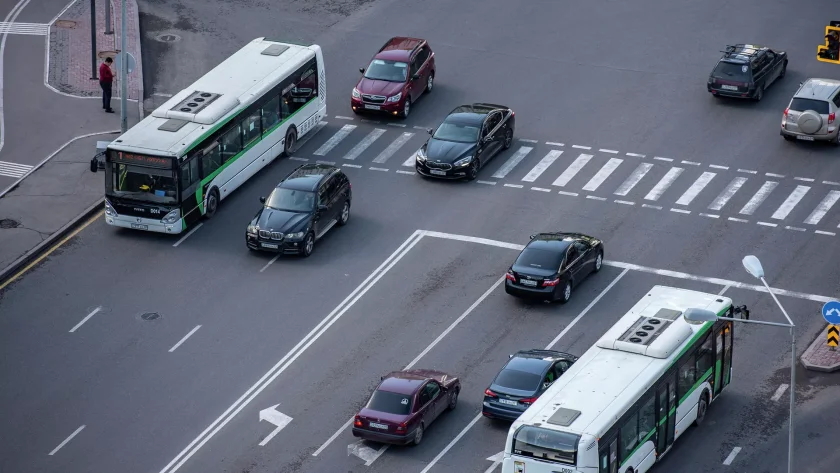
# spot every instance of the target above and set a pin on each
(488, 392)
(786, 112)
(551, 282)
(402, 428)
(831, 118)
(509, 276)
(529, 400)
(357, 422)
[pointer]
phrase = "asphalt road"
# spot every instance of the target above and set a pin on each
(575, 75)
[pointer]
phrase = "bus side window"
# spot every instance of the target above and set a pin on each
(685, 377)
(211, 160)
(270, 114)
(704, 356)
(231, 146)
(251, 128)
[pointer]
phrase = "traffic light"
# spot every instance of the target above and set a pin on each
(830, 51)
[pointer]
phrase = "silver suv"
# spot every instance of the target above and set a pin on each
(812, 113)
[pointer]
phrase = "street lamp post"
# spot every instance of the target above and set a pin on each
(753, 266)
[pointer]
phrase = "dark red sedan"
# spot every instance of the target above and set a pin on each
(404, 405)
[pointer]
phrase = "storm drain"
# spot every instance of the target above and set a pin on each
(167, 38)
(150, 316)
(70, 24)
(9, 223)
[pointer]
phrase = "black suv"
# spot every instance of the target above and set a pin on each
(300, 210)
(523, 379)
(745, 70)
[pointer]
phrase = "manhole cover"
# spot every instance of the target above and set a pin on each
(168, 38)
(150, 316)
(9, 223)
(65, 24)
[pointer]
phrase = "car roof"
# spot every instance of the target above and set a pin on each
(742, 53)
(820, 89)
(473, 113)
(399, 48)
(555, 241)
(401, 382)
(307, 177)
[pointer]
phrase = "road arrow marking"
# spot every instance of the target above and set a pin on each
(359, 449)
(496, 459)
(277, 418)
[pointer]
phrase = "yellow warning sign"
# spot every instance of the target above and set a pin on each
(833, 335)
(830, 51)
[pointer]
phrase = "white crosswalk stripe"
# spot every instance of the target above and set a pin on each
(393, 148)
(792, 200)
(664, 184)
(541, 166)
(572, 170)
(759, 197)
(633, 179)
(723, 198)
(823, 208)
(411, 159)
(511, 163)
(37, 29)
(13, 169)
(602, 174)
(365, 143)
(337, 138)
(696, 188)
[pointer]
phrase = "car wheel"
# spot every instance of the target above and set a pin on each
(212, 204)
(599, 261)
(784, 70)
(759, 94)
(702, 407)
(345, 214)
(472, 171)
(418, 435)
(508, 138)
(453, 400)
(308, 245)
(430, 83)
(406, 108)
(290, 145)
(567, 292)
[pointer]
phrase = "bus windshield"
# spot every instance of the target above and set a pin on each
(545, 444)
(142, 183)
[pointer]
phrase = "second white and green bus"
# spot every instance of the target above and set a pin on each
(622, 405)
(176, 165)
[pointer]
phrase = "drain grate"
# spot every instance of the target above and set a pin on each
(65, 24)
(150, 316)
(168, 38)
(9, 223)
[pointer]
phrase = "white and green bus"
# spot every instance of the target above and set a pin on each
(179, 163)
(620, 407)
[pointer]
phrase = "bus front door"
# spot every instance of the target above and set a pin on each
(666, 414)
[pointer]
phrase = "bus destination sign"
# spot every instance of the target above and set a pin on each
(143, 160)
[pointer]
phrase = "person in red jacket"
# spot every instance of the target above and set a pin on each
(106, 80)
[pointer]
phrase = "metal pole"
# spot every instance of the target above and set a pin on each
(778, 303)
(123, 73)
(108, 29)
(93, 40)
(792, 397)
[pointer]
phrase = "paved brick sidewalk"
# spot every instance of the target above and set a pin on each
(819, 356)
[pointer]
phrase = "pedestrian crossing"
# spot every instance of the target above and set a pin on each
(596, 173)
(37, 29)
(13, 170)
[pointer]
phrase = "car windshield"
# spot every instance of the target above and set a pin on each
(389, 402)
(391, 71)
(732, 70)
(800, 105)
(291, 200)
(142, 183)
(459, 132)
(515, 379)
(540, 258)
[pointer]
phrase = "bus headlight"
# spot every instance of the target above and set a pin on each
(294, 236)
(252, 230)
(172, 217)
(109, 211)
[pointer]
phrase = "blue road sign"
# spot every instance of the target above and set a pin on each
(831, 312)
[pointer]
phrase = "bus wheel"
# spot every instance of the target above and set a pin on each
(212, 203)
(702, 407)
(290, 145)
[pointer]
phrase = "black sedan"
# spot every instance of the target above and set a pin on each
(746, 71)
(552, 264)
(469, 137)
(302, 208)
(523, 379)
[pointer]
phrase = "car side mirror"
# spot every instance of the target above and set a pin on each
(381, 378)
(532, 236)
(362, 70)
(322, 208)
(431, 131)
(800, 84)
(546, 385)
(262, 200)
(510, 356)
(416, 76)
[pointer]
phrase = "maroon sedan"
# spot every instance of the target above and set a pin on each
(397, 76)
(404, 405)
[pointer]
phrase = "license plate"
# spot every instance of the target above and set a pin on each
(378, 426)
(139, 226)
(508, 402)
(269, 245)
(805, 138)
(437, 172)
(729, 87)
(526, 282)
(372, 107)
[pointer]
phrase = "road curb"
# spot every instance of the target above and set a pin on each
(819, 349)
(11, 270)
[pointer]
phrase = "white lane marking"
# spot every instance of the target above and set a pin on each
(13, 169)
(594, 197)
(625, 202)
(512, 162)
(515, 186)
(378, 169)
(362, 451)
(76, 432)
(758, 197)
(732, 456)
(581, 147)
(488, 183)
(823, 208)
(741, 220)
(691, 163)
(183, 238)
(357, 166)
(429, 348)
(660, 158)
(361, 146)
(602, 174)
(393, 148)
(541, 166)
(94, 312)
(365, 120)
(796, 229)
(778, 394)
(410, 173)
(695, 189)
(664, 184)
(411, 159)
(572, 170)
(420, 128)
(35, 29)
(528, 141)
(682, 211)
(331, 163)
(718, 166)
(821, 232)
(169, 96)
(334, 140)
(611, 151)
(723, 198)
(648, 206)
(401, 125)
(804, 179)
(792, 200)
(554, 143)
(831, 183)
(269, 263)
(305, 138)
(273, 416)
(293, 354)
(570, 194)
(709, 215)
(540, 189)
(295, 158)
(497, 460)
(633, 179)
(181, 341)
(340, 117)
(548, 347)
(772, 174)
(766, 224)
(635, 155)
(725, 288)
(747, 171)
(635, 267)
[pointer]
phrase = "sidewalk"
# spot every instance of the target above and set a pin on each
(45, 204)
(819, 356)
